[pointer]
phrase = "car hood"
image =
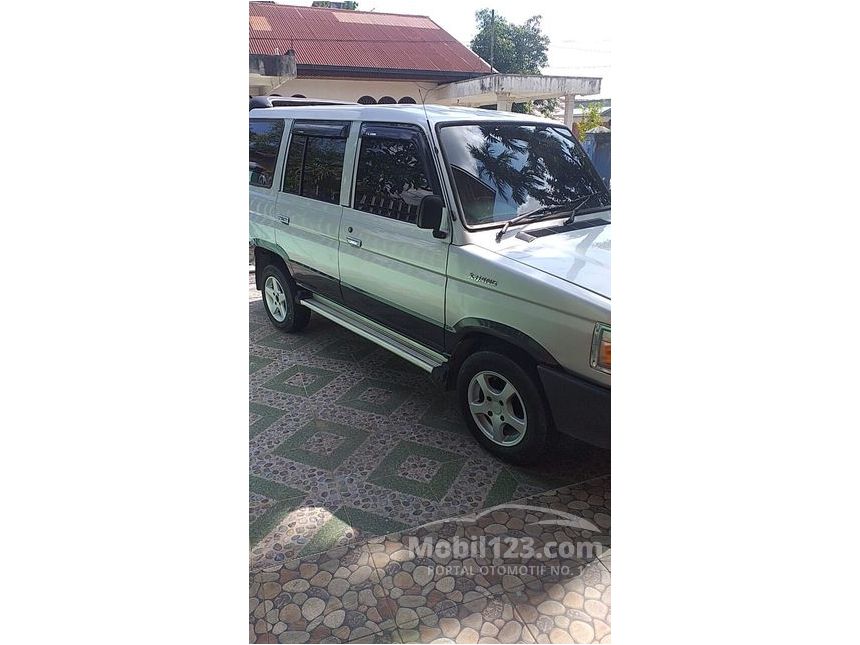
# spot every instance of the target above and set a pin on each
(581, 256)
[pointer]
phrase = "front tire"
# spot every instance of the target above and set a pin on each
(503, 407)
(279, 300)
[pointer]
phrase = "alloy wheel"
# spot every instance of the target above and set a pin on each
(497, 408)
(276, 299)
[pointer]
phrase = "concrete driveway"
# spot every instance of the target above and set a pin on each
(354, 455)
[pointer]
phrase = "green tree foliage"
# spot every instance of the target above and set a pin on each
(591, 118)
(519, 49)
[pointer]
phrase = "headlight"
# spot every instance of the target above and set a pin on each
(601, 348)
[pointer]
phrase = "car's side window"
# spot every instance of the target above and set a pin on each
(265, 141)
(393, 174)
(315, 160)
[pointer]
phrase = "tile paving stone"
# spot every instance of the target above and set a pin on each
(540, 610)
(482, 620)
(291, 525)
(462, 446)
(257, 362)
(350, 348)
(320, 486)
(572, 619)
(276, 512)
(418, 468)
(606, 559)
(354, 499)
(280, 340)
(466, 569)
(258, 505)
(386, 438)
(337, 531)
(273, 489)
(303, 380)
(589, 501)
(323, 444)
(318, 608)
(406, 509)
(447, 467)
(296, 527)
(444, 414)
(367, 524)
(474, 592)
(375, 395)
(262, 416)
(293, 409)
(293, 419)
(269, 502)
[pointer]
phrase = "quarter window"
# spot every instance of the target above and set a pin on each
(265, 141)
(391, 179)
(315, 161)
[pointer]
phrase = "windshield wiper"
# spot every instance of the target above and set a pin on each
(581, 205)
(543, 212)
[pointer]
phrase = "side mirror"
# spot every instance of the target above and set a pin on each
(430, 215)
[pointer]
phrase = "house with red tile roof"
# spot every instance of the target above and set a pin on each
(372, 57)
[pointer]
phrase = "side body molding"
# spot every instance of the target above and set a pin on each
(498, 330)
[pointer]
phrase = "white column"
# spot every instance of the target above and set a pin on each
(569, 102)
(504, 103)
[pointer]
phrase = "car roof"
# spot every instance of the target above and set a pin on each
(400, 112)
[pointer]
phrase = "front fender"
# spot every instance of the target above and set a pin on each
(501, 331)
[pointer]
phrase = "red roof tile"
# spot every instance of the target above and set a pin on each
(341, 38)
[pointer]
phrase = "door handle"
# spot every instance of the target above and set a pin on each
(352, 241)
(284, 219)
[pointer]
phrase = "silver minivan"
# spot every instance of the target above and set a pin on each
(474, 244)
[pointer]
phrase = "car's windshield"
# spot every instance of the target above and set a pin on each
(504, 170)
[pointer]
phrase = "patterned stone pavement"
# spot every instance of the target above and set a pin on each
(354, 455)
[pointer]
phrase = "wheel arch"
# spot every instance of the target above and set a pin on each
(264, 255)
(471, 334)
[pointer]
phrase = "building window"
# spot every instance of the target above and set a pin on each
(392, 179)
(315, 160)
(386, 100)
(265, 141)
(407, 99)
(367, 100)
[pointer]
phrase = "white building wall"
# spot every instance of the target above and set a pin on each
(341, 89)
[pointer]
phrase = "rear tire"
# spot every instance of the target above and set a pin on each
(503, 407)
(279, 300)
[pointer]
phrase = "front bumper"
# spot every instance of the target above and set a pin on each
(579, 409)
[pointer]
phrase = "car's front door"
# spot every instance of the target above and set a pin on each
(309, 204)
(390, 270)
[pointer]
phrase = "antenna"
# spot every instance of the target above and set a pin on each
(423, 98)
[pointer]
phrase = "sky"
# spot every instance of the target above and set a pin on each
(573, 51)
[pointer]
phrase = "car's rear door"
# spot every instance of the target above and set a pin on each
(265, 137)
(309, 203)
(392, 271)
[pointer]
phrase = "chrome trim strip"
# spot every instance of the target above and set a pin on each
(405, 348)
